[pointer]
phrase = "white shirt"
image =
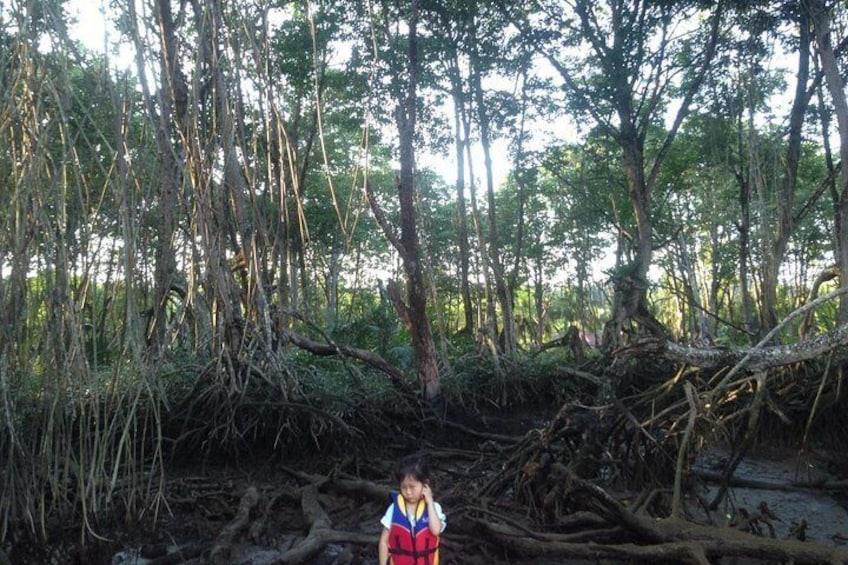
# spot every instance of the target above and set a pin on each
(387, 517)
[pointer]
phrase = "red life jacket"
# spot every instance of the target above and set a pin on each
(411, 543)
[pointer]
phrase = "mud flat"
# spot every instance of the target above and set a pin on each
(775, 494)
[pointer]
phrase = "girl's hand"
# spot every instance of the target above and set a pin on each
(428, 494)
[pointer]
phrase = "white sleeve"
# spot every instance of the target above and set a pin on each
(439, 512)
(386, 520)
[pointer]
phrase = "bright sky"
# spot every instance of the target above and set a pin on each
(91, 30)
(90, 25)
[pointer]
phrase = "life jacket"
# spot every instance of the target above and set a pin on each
(411, 543)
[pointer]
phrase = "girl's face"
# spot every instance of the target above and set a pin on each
(412, 489)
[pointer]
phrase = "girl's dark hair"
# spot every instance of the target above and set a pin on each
(414, 466)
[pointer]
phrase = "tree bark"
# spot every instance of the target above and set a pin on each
(486, 318)
(755, 359)
(508, 342)
(745, 180)
(173, 103)
(836, 86)
(458, 95)
(414, 312)
(785, 224)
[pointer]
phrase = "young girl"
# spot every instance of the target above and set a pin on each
(413, 522)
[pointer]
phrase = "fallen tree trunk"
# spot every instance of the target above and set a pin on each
(760, 357)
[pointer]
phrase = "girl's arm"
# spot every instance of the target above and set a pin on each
(435, 521)
(383, 547)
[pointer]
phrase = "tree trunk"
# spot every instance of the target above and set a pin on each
(831, 184)
(715, 279)
(286, 283)
(693, 322)
(422, 335)
(414, 311)
(836, 87)
(461, 208)
(786, 199)
(522, 190)
(630, 301)
(508, 341)
(332, 288)
(745, 180)
(486, 318)
(173, 96)
(539, 302)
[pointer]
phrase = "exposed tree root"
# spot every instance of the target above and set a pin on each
(260, 525)
(604, 530)
(645, 437)
(630, 536)
(542, 499)
(556, 490)
(350, 487)
(221, 552)
(321, 531)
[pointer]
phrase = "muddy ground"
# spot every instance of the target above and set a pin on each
(253, 511)
(777, 492)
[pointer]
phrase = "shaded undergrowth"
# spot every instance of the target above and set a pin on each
(79, 457)
(100, 459)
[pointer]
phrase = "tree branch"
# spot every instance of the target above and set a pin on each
(383, 222)
(327, 349)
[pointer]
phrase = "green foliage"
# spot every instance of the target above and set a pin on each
(370, 323)
(524, 380)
